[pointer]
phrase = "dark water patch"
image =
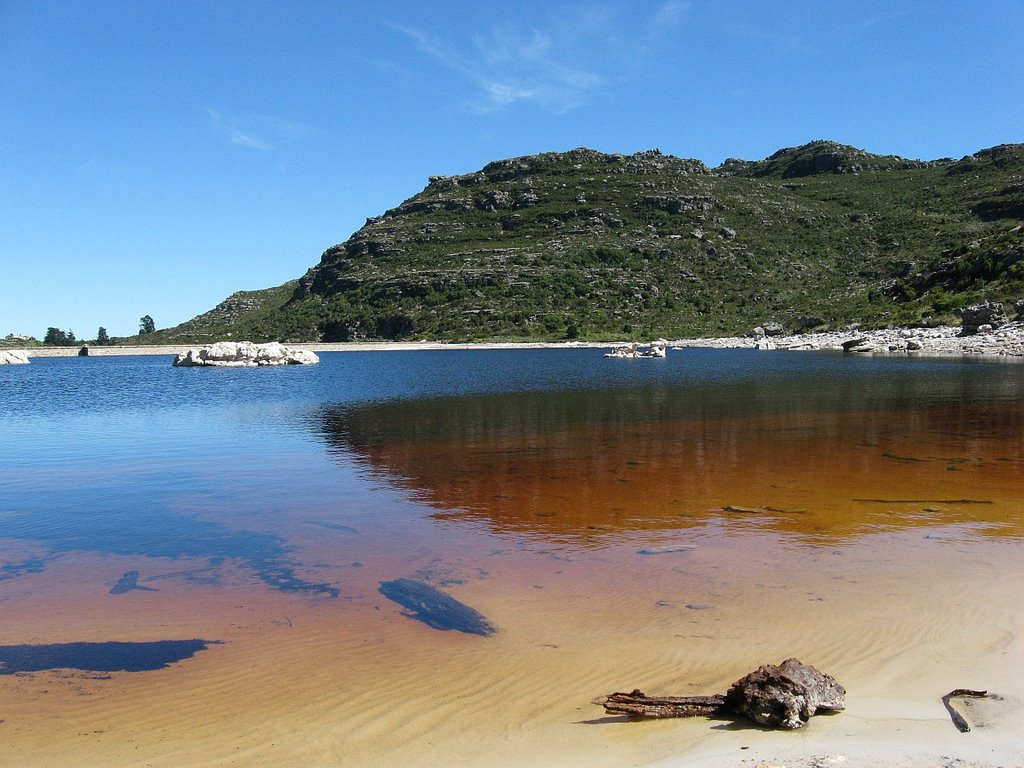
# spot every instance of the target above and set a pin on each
(129, 582)
(13, 570)
(283, 579)
(332, 526)
(68, 525)
(908, 459)
(667, 549)
(435, 608)
(99, 657)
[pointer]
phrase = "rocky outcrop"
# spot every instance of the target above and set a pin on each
(977, 316)
(1006, 341)
(785, 696)
(244, 354)
(13, 357)
(771, 328)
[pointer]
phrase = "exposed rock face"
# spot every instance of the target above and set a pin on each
(242, 354)
(989, 313)
(785, 696)
(13, 357)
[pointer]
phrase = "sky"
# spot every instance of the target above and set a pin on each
(157, 156)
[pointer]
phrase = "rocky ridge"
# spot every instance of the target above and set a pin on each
(587, 245)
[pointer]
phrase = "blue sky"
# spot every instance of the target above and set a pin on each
(159, 155)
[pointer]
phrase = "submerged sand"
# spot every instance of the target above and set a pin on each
(312, 685)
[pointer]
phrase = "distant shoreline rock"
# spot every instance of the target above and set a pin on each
(13, 357)
(1007, 340)
(244, 354)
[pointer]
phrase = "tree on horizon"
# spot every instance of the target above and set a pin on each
(146, 325)
(57, 337)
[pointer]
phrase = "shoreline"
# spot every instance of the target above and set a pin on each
(1005, 341)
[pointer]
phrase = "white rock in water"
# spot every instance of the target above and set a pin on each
(244, 354)
(13, 357)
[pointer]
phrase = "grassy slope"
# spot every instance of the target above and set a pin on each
(586, 245)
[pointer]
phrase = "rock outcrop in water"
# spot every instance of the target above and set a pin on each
(13, 357)
(243, 354)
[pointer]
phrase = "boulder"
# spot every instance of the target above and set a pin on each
(860, 344)
(987, 313)
(785, 696)
(773, 329)
(244, 354)
(806, 322)
(13, 357)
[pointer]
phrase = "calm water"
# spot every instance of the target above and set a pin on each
(129, 456)
(132, 492)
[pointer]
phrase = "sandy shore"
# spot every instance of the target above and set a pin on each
(1006, 341)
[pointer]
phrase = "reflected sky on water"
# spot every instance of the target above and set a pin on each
(130, 456)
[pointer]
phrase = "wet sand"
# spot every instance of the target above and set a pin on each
(898, 619)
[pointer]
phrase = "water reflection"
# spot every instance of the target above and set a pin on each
(64, 520)
(821, 456)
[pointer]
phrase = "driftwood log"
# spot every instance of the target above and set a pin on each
(958, 719)
(783, 696)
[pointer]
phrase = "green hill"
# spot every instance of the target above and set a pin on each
(582, 244)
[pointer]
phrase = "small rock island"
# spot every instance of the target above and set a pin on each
(13, 357)
(244, 354)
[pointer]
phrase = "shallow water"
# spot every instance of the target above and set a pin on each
(664, 524)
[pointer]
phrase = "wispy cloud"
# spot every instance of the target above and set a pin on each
(556, 66)
(261, 133)
(234, 133)
(669, 14)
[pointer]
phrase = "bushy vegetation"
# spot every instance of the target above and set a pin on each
(583, 245)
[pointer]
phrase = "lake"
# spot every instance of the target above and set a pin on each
(191, 560)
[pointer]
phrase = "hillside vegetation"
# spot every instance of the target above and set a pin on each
(587, 245)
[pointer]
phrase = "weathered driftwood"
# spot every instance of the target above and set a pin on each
(636, 704)
(783, 696)
(958, 719)
(435, 608)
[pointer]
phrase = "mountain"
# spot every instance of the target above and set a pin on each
(582, 244)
